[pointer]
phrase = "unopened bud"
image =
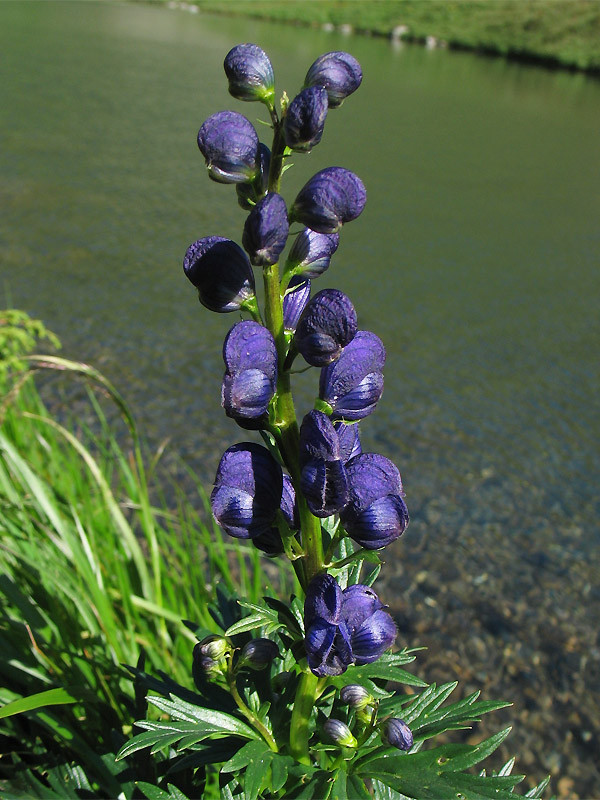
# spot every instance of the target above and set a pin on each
(258, 654)
(213, 647)
(356, 696)
(339, 733)
(396, 733)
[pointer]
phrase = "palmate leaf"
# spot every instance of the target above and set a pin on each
(436, 773)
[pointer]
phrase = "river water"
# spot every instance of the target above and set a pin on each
(475, 260)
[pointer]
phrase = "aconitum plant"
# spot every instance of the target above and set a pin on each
(304, 696)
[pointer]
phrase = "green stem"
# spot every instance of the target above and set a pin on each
(303, 706)
(252, 718)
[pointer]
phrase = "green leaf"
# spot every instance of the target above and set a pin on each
(256, 773)
(538, 790)
(338, 790)
(52, 697)
(383, 792)
(436, 773)
(153, 792)
(182, 710)
(357, 789)
(245, 755)
(279, 770)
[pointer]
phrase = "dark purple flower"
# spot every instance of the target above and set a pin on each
(229, 145)
(221, 272)
(323, 476)
(247, 491)
(249, 194)
(349, 440)
(294, 302)
(344, 627)
(376, 513)
(304, 120)
(327, 325)
(396, 733)
(311, 253)
(331, 198)
(250, 379)
(250, 73)
(338, 72)
(353, 384)
(266, 230)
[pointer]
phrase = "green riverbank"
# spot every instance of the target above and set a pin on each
(559, 33)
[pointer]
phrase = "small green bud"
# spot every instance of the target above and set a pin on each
(214, 647)
(339, 733)
(356, 696)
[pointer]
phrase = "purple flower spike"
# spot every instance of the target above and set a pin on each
(340, 74)
(249, 194)
(247, 491)
(353, 384)
(250, 73)
(327, 325)
(304, 121)
(294, 302)
(323, 475)
(311, 252)
(375, 514)
(250, 378)
(331, 198)
(266, 230)
(221, 272)
(343, 628)
(229, 145)
(289, 507)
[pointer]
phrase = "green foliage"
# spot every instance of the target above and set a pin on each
(95, 569)
(556, 31)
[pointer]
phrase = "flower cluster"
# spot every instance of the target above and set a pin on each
(279, 496)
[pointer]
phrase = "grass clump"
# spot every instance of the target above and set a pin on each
(97, 571)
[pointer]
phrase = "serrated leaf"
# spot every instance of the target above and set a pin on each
(245, 755)
(188, 712)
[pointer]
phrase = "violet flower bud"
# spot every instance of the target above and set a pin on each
(396, 733)
(250, 73)
(294, 302)
(356, 696)
(214, 646)
(203, 666)
(339, 733)
(229, 145)
(323, 476)
(311, 253)
(249, 194)
(327, 325)
(340, 74)
(376, 513)
(250, 378)
(247, 491)
(266, 230)
(343, 628)
(353, 384)
(258, 654)
(221, 272)
(249, 345)
(304, 120)
(331, 198)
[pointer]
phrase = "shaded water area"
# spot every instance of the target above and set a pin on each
(475, 260)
